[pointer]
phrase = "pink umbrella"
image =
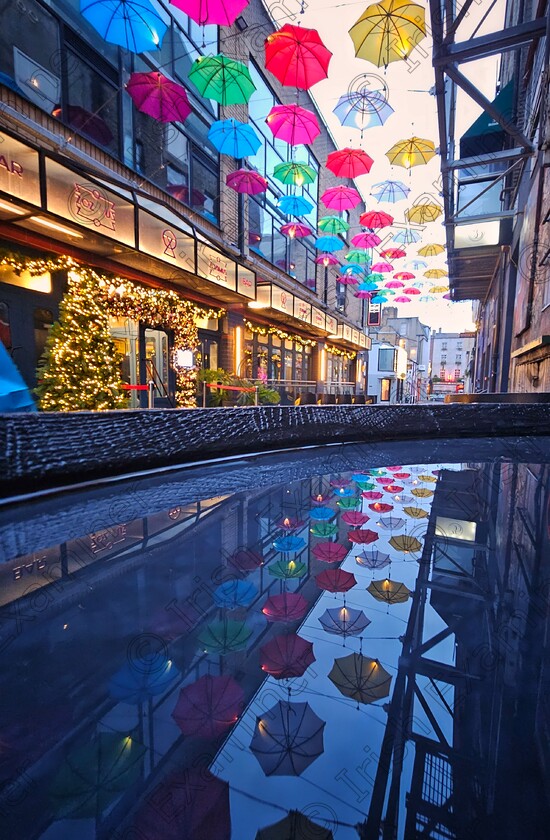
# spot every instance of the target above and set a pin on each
(296, 230)
(335, 580)
(340, 481)
(366, 240)
(446, 297)
(329, 552)
(286, 656)
(157, 96)
(382, 267)
(411, 290)
(393, 253)
(327, 259)
(404, 275)
(220, 12)
(371, 494)
(293, 124)
(402, 299)
(348, 280)
(394, 284)
(320, 499)
(349, 163)
(354, 517)
(375, 219)
(363, 537)
(385, 479)
(340, 198)
(362, 295)
(286, 607)
(209, 706)
(296, 56)
(246, 181)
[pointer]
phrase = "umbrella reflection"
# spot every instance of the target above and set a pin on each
(287, 739)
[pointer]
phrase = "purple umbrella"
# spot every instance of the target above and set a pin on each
(159, 97)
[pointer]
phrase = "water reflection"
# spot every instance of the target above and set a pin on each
(359, 652)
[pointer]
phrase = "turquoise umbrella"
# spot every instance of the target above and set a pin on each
(14, 394)
(294, 205)
(288, 544)
(132, 24)
(321, 513)
(231, 137)
(234, 593)
(329, 244)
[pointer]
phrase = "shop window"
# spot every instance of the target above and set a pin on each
(42, 323)
(26, 280)
(5, 327)
(92, 100)
(385, 387)
(386, 358)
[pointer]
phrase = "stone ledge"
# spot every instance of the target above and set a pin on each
(43, 450)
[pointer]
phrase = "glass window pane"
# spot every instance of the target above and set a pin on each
(204, 189)
(92, 104)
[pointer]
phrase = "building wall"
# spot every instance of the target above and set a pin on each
(450, 356)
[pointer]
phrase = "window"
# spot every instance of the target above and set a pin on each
(443, 360)
(386, 358)
(385, 388)
(458, 359)
(443, 345)
(42, 322)
(459, 345)
(457, 373)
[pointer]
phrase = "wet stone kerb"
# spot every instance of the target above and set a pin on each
(37, 450)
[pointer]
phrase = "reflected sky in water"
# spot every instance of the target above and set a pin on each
(140, 625)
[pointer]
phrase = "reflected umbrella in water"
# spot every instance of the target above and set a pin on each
(381, 507)
(361, 678)
(401, 475)
(287, 739)
(427, 478)
(373, 559)
(289, 606)
(355, 518)
(335, 580)
(245, 560)
(389, 591)
(344, 492)
(416, 512)
(422, 492)
(143, 678)
(403, 498)
(390, 523)
(321, 513)
(363, 537)
(288, 544)
(372, 494)
(340, 481)
(344, 621)
(330, 552)
(234, 593)
(324, 529)
(295, 826)
(384, 479)
(93, 776)
(287, 569)
(209, 706)
(405, 543)
(286, 657)
(224, 637)
(290, 523)
(348, 504)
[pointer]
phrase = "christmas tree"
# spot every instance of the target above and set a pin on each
(80, 367)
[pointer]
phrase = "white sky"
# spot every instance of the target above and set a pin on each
(415, 113)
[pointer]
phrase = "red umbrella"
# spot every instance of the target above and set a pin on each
(402, 299)
(384, 480)
(287, 656)
(401, 475)
(404, 275)
(411, 290)
(349, 163)
(363, 537)
(209, 706)
(393, 488)
(329, 552)
(393, 253)
(246, 181)
(354, 517)
(296, 56)
(371, 494)
(335, 580)
(219, 12)
(340, 198)
(159, 97)
(381, 507)
(340, 481)
(375, 219)
(286, 607)
(293, 124)
(366, 240)
(295, 230)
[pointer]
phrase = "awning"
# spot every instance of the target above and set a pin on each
(486, 135)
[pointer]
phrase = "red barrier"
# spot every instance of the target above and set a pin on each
(135, 387)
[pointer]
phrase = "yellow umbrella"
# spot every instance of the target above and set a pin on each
(389, 591)
(405, 543)
(422, 213)
(431, 250)
(422, 492)
(428, 478)
(416, 512)
(359, 677)
(388, 31)
(412, 152)
(435, 273)
(436, 289)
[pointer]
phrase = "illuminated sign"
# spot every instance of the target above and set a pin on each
(302, 310)
(166, 243)
(246, 282)
(281, 300)
(216, 267)
(19, 170)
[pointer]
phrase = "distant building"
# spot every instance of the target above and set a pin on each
(387, 373)
(451, 357)
(412, 336)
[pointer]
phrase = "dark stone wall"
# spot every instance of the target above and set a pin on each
(41, 450)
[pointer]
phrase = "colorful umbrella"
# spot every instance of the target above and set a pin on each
(295, 826)
(287, 739)
(132, 24)
(388, 31)
(321, 513)
(294, 205)
(375, 219)
(393, 488)
(332, 224)
(422, 492)
(363, 537)
(438, 289)
(402, 299)
(326, 260)
(246, 181)
(234, 593)
(389, 591)
(290, 523)
(361, 678)
(363, 109)
(335, 580)
(136, 682)
(295, 230)
(324, 529)
(355, 518)
(287, 544)
(285, 657)
(157, 96)
(348, 504)
(392, 254)
(340, 198)
(435, 273)
(222, 79)
(330, 552)
(224, 637)
(289, 606)
(343, 492)
(362, 292)
(430, 479)
(405, 543)
(412, 152)
(344, 621)
(411, 290)
(406, 237)
(372, 494)
(420, 214)
(296, 56)
(394, 284)
(403, 275)
(219, 12)
(348, 279)
(366, 240)
(379, 298)
(390, 191)
(293, 124)
(382, 267)
(287, 569)
(401, 475)
(384, 479)
(209, 706)
(329, 244)
(416, 265)
(380, 507)
(431, 250)
(349, 163)
(373, 559)
(234, 138)
(390, 523)
(294, 172)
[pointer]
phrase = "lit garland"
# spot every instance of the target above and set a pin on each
(35, 265)
(349, 354)
(280, 334)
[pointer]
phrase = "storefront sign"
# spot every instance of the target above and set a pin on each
(302, 310)
(19, 170)
(368, 342)
(346, 332)
(362, 340)
(246, 282)
(263, 295)
(355, 336)
(331, 324)
(282, 300)
(216, 267)
(374, 315)
(318, 318)
(165, 242)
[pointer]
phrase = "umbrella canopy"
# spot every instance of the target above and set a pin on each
(420, 214)
(392, 253)
(321, 513)
(379, 298)
(348, 504)
(340, 198)
(372, 494)
(388, 31)
(382, 267)
(431, 250)
(287, 544)
(394, 284)
(389, 591)
(335, 580)
(360, 256)
(93, 776)
(219, 12)
(287, 739)
(412, 152)
(296, 56)
(295, 826)
(344, 621)
(363, 109)
(287, 569)
(329, 244)
(289, 606)
(234, 138)
(402, 299)
(327, 259)
(290, 523)
(403, 275)
(349, 163)
(363, 537)
(399, 474)
(373, 559)
(435, 273)
(416, 265)
(406, 237)
(426, 477)
(324, 529)
(355, 518)
(285, 657)
(132, 24)
(294, 172)
(375, 219)
(136, 682)
(295, 230)
(293, 124)
(381, 507)
(224, 637)
(14, 393)
(294, 205)
(209, 706)
(422, 492)
(246, 181)
(390, 523)
(390, 191)
(411, 290)
(366, 240)
(439, 289)
(332, 224)
(393, 488)
(234, 593)
(330, 552)
(405, 543)
(361, 678)
(159, 97)
(222, 79)
(384, 479)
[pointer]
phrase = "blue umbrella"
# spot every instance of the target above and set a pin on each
(367, 286)
(342, 492)
(407, 237)
(363, 109)
(360, 477)
(14, 394)
(231, 137)
(354, 268)
(286, 544)
(294, 205)
(379, 299)
(416, 265)
(234, 593)
(390, 191)
(321, 513)
(143, 678)
(132, 24)
(329, 244)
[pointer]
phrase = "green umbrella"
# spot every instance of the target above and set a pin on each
(324, 529)
(366, 485)
(358, 255)
(348, 504)
(222, 79)
(286, 569)
(93, 776)
(294, 172)
(224, 637)
(332, 224)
